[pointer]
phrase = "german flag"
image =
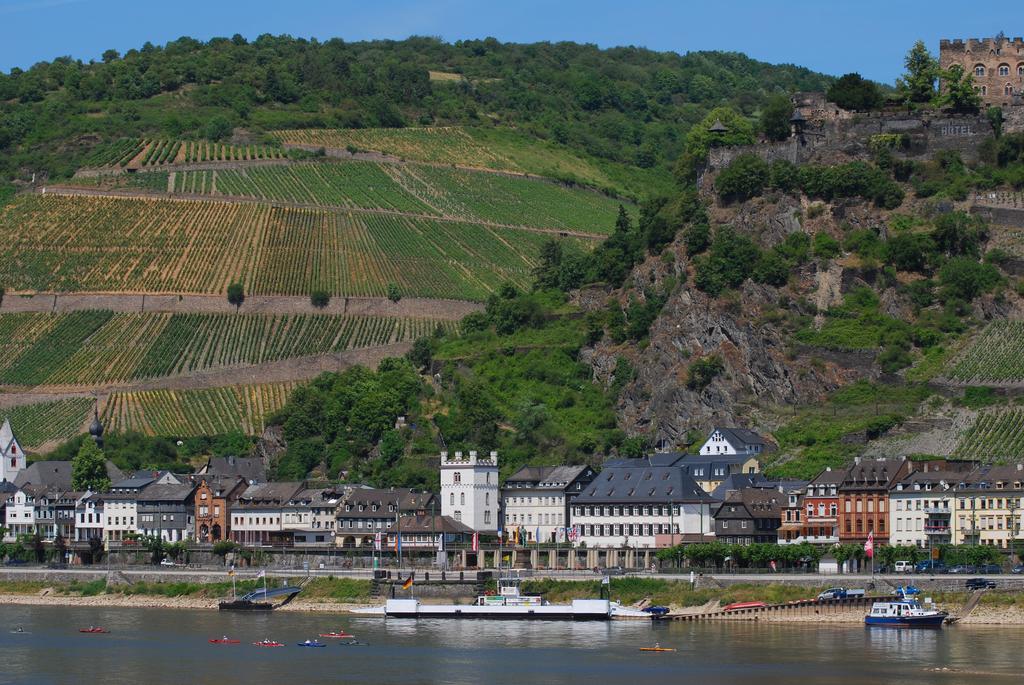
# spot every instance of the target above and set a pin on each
(408, 582)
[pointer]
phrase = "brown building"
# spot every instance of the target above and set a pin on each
(363, 512)
(864, 498)
(997, 65)
(749, 516)
(213, 499)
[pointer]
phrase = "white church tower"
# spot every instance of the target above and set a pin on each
(469, 489)
(12, 457)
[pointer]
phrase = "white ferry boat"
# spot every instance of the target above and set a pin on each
(510, 603)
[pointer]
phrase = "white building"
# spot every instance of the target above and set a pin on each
(257, 517)
(734, 441)
(20, 515)
(121, 516)
(469, 489)
(89, 519)
(536, 500)
(643, 506)
(921, 507)
(310, 516)
(12, 457)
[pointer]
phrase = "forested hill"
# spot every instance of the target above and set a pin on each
(628, 107)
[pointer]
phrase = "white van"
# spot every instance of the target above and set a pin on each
(904, 567)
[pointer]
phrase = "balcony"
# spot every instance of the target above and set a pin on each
(936, 530)
(945, 511)
(822, 520)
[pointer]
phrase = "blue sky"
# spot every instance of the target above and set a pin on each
(833, 36)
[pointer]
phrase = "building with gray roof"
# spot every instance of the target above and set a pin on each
(642, 506)
(536, 500)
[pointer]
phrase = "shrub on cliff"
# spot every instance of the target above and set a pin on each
(701, 372)
(744, 178)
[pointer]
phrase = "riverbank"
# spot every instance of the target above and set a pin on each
(163, 602)
(342, 595)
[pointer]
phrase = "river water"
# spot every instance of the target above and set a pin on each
(161, 646)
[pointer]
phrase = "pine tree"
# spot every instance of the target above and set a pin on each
(918, 84)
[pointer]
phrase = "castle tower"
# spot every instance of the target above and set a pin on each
(469, 489)
(995, 64)
(12, 457)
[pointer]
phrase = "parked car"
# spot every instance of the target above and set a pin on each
(980, 584)
(962, 569)
(839, 593)
(1019, 568)
(990, 568)
(656, 610)
(904, 566)
(930, 566)
(15, 562)
(167, 562)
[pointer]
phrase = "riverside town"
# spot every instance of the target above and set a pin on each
(450, 358)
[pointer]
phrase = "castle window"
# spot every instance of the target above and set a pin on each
(1004, 69)
(458, 477)
(1020, 70)
(979, 70)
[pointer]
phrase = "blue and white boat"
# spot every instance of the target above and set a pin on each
(904, 613)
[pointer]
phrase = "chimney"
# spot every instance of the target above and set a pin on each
(458, 455)
(472, 454)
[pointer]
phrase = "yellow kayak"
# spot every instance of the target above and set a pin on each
(657, 649)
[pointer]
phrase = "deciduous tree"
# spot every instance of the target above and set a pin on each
(89, 468)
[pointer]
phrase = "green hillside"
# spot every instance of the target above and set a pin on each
(614, 118)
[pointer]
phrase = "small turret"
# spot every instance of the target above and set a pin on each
(96, 428)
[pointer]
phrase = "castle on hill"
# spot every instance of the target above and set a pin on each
(997, 65)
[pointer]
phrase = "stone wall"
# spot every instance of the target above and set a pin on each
(926, 133)
(1001, 216)
(833, 139)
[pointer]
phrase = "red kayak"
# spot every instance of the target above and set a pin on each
(340, 635)
(224, 641)
(268, 643)
(93, 629)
